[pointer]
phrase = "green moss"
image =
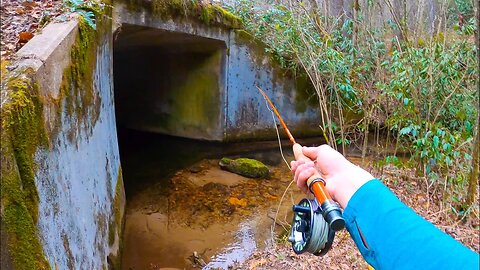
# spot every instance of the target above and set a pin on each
(119, 200)
(116, 223)
(117, 209)
(208, 13)
(195, 100)
(80, 100)
(214, 14)
(305, 95)
(245, 166)
(23, 132)
(3, 69)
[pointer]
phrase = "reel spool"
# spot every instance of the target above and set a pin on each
(310, 231)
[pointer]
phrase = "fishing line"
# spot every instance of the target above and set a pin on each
(320, 234)
(288, 165)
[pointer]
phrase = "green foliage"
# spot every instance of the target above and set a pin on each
(423, 93)
(88, 9)
(434, 90)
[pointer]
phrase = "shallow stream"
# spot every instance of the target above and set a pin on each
(184, 212)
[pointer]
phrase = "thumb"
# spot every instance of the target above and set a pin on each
(310, 152)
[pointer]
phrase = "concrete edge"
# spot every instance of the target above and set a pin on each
(143, 17)
(48, 54)
(41, 46)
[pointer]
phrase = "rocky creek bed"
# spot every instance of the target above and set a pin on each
(220, 216)
(185, 212)
(180, 202)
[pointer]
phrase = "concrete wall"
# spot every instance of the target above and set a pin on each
(78, 184)
(169, 94)
(247, 113)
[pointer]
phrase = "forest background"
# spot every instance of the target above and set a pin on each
(398, 81)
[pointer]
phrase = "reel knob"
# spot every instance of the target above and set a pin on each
(333, 215)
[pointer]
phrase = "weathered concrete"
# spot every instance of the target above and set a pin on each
(77, 177)
(247, 113)
(170, 88)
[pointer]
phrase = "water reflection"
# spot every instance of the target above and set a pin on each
(179, 202)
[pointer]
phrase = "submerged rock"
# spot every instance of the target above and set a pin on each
(246, 167)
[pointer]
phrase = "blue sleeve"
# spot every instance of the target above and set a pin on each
(397, 238)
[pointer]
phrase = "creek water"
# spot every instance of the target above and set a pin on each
(184, 212)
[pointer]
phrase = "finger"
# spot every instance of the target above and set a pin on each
(310, 152)
(301, 168)
(302, 178)
(295, 164)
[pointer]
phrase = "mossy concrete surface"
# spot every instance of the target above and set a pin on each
(22, 134)
(60, 175)
(247, 167)
(208, 13)
(116, 225)
(171, 92)
(247, 114)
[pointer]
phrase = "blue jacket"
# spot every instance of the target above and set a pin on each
(397, 238)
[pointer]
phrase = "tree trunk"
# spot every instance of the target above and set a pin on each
(473, 179)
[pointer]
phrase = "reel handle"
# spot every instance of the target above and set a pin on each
(331, 212)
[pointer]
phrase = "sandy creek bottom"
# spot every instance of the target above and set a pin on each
(179, 202)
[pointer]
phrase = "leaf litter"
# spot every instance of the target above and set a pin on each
(344, 255)
(22, 20)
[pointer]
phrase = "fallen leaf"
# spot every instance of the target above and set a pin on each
(29, 4)
(237, 202)
(24, 37)
(257, 263)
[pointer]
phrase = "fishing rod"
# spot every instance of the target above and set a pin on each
(315, 221)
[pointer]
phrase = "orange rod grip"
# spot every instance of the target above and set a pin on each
(320, 192)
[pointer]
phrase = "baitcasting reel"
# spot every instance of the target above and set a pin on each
(314, 226)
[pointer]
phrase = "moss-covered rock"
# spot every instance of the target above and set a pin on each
(246, 167)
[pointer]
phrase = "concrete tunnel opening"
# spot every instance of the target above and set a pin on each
(168, 86)
(169, 82)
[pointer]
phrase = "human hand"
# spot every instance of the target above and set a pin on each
(342, 178)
